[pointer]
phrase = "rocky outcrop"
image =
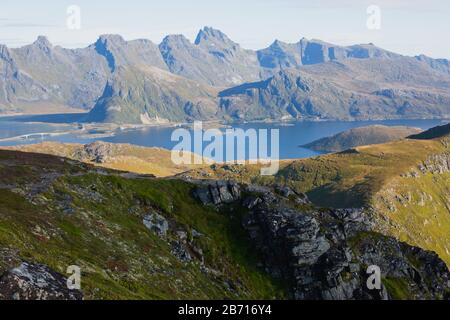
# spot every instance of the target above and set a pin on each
(35, 282)
(218, 192)
(182, 246)
(97, 152)
(156, 223)
(324, 254)
(436, 164)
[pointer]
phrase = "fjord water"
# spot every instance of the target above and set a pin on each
(292, 135)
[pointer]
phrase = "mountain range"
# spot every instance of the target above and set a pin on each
(214, 78)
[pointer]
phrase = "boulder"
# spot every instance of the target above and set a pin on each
(35, 282)
(156, 223)
(218, 193)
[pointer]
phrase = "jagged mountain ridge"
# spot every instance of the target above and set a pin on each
(43, 73)
(212, 59)
(37, 75)
(363, 89)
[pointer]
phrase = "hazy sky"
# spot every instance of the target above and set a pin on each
(407, 26)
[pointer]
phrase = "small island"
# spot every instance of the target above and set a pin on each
(360, 137)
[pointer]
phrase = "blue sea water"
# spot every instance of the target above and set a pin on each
(292, 135)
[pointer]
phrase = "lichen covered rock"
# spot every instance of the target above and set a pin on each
(35, 282)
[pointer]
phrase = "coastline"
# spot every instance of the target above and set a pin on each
(74, 130)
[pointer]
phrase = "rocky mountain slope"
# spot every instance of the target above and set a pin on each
(143, 238)
(212, 59)
(361, 137)
(346, 90)
(37, 75)
(151, 95)
(331, 82)
(404, 184)
(136, 238)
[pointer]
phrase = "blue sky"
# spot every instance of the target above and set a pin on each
(407, 26)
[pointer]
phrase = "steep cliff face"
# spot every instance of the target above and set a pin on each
(281, 55)
(324, 254)
(73, 78)
(15, 85)
(119, 52)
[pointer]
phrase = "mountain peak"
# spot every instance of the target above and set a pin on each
(42, 42)
(278, 43)
(208, 33)
(304, 40)
(175, 37)
(175, 41)
(4, 52)
(112, 38)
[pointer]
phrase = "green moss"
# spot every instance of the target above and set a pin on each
(397, 288)
(356, 241)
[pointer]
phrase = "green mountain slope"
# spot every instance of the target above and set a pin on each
(142, 238)
(60, 213)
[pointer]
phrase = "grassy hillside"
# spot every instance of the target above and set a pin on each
(351, 178)
(416, 210)
(340, 180)
(122, 157)
(60, 212)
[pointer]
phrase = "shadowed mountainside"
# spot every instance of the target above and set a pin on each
(433, 133)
